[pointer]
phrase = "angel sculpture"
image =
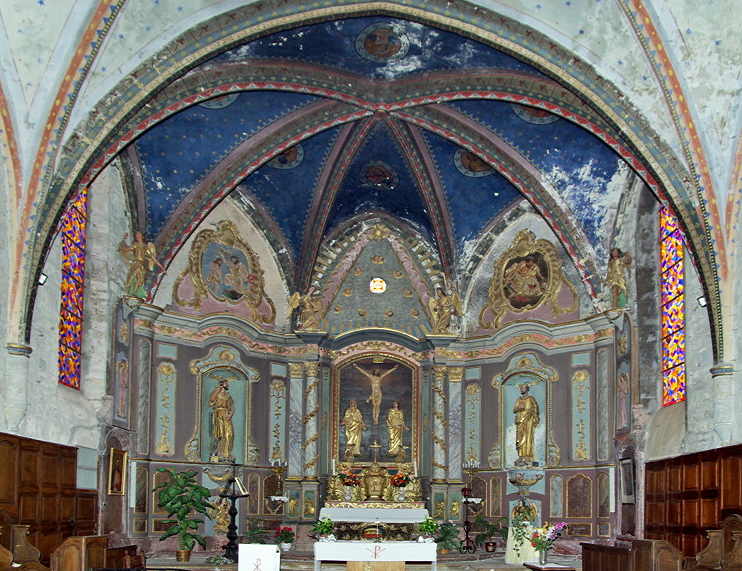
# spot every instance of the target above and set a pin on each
(618, 266)
(310, 308)
(142, 258)
(443, 307)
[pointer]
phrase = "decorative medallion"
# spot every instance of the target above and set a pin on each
(220, 102)
(526, 276)
(470, 164)
(378, 174)
(382, 42)
(377, 285)
(288, 159)
(223, 267)
(533, 114)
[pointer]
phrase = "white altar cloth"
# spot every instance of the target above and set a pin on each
(375, 551)
(370, 515)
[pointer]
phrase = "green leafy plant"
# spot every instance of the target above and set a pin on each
(428, 525)
(181, 497)
(487, 529)
(324, 526)
(256, 531)
(448, 536)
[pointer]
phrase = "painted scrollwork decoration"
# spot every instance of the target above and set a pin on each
(224, 268)
(527, 276)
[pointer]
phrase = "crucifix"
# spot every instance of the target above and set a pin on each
(376, 447)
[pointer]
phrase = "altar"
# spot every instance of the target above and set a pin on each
(384, 551)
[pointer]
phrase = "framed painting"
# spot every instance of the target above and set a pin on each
(116, 472)
(375, 410)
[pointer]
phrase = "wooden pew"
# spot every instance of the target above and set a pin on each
(635, 555)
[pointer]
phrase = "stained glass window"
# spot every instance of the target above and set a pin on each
(672, 279)
(72, 232)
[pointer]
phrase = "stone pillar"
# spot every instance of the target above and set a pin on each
(296, 392)
(440, 468)
(724, 397)
(16, 389)
(311, 421)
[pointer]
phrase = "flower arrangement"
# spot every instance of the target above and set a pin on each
(400, 480)
(348, 478)
(428, 525)
(323, 526)
(285, 535)
(542, 538)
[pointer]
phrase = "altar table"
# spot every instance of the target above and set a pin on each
(370, 515)
(388, 551)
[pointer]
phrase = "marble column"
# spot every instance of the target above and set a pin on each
(455, 423)
(296, 413)
(311, 421)
(440, 468)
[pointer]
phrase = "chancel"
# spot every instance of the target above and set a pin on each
(426, 272)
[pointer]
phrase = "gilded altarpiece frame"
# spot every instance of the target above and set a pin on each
(399, 382)
(527, 276)
(525, 369)
(223, 364)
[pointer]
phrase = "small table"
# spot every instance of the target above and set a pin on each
(549, 567)
(383, 551)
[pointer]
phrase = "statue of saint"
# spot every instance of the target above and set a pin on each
(222, 429)
(142, 258)
(375, 376)
(443, 307)
(395, 426)
(618, 266)
(354, 425)
(310, 307)
(526, 420)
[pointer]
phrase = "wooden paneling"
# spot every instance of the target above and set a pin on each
(687, 495)
(38, 489)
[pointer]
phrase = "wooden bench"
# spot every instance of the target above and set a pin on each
(634, 555)
(723, 552)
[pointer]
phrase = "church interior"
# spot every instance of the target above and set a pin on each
(467, 260)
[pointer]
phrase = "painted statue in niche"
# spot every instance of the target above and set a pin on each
(222, 429)
(141, 257)
(618, 266)
(223, 270)
(527, 276)
(526, 420)
(362, 390)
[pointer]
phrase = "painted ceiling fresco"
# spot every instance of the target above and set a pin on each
(407, 160)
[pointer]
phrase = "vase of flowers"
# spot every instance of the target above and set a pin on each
(541, 538)
(324, 529)
(400, 481)
(428, 527)
(285, 537)
(350, 480)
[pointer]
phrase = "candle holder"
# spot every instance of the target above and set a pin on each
(471, 467)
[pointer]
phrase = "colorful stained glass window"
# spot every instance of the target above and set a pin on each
(73, 234)
(673, 306)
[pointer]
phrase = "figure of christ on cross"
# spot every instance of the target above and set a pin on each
(375, 376)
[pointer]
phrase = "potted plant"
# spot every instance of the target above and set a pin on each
(256, 531)
(487, 530)
(448, 536)
(324, 529)
(181, 498)
(285, 537)
(428, 527)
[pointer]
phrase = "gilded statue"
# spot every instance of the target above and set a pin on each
(310, 307)
(523, 282)
(395, 426)
(375, 376)
(618, 266)
(526, 419)
(141, 257)
(222, 429)
(443, 307)
(354, 426)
